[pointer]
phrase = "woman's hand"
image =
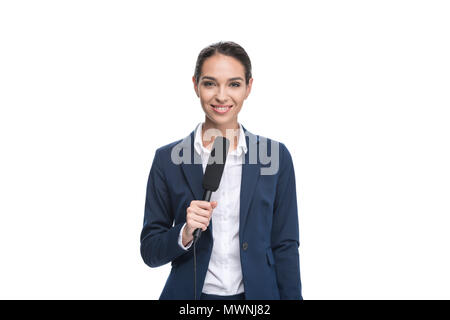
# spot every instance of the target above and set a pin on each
(198, 215)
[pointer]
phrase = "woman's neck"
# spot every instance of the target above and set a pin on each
(231, 135)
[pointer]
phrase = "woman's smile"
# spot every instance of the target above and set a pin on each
(221, 109)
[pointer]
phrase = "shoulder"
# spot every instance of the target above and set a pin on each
(273, 155)
(163, 153)
(168, 147)
(274, 148)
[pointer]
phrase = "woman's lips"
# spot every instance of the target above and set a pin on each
(221, 109)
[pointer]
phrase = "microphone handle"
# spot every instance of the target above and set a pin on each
(206, 197)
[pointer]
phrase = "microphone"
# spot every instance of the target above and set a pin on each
(211, 181)
(213, 171)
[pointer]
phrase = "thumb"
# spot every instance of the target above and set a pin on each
(214, 204)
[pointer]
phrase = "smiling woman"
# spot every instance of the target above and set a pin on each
(251, 249)
(222, 81)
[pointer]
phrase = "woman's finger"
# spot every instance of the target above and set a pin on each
(202, 212)
(200, 219)
(202, 204)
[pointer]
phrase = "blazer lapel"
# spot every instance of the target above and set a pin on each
(193, 173)
(250, 175)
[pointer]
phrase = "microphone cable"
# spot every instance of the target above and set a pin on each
(194, 244)
(195, 270)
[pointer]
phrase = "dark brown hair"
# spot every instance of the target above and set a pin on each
(228, 48)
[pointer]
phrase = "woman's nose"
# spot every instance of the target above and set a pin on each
(221, 95)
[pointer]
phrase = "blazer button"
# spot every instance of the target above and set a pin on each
(245, 246)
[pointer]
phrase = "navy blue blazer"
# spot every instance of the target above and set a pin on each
(268, 226)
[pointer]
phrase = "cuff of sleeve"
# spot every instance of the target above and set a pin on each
(180, 239)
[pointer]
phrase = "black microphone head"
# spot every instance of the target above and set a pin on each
(216, 164)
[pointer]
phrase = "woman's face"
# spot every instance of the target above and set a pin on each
(222, 83)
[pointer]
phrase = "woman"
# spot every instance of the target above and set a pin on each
(251, 249)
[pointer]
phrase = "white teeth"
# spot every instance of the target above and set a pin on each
(221, 108)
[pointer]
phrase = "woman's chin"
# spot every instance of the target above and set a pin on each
(221, 120)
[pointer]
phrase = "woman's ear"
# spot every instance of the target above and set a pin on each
(195, 86)
(249, 88)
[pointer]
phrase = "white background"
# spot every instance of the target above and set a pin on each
(357, 90)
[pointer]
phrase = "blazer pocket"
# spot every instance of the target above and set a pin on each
(270, 259)
(186, 256)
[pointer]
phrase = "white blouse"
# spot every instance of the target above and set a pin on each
(224, 275)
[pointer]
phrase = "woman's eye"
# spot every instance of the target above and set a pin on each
(233, 84)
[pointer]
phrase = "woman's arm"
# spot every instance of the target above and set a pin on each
(159, 239)
(285, 230)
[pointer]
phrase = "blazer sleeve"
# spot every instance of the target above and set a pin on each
(159, 238)
(285, 230)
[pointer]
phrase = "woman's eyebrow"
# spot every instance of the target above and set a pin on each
(231, 79)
